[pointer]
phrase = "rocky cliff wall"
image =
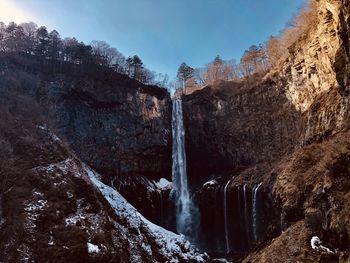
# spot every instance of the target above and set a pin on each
(234, 125)
(122, 132)
(54, 208)
(119, 130)
(117, 125)
(288, 131)
(305, 100)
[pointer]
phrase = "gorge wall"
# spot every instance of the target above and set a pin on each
(119, 126)
(55, 208)
(274, 131)
(264, 155)
(305, 100)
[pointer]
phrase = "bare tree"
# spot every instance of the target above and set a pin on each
(254, 60)
(108, 55)
(199, 75)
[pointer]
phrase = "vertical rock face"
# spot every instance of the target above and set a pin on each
(232, 125)
(317, 73)
(306, 100)
(119, 126)
(115, 124)
(235, 222)
(119, 131)
(289, 131)
(123, 132)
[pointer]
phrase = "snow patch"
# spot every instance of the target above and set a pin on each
(210, 183)
(33, 209)
(52, 136)
(72, 221)
(316, 245)
(92, 248)
(51, 241)
(164, 184)
(59, 170)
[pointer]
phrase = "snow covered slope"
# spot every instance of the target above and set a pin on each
(56, 209)
(173, 247)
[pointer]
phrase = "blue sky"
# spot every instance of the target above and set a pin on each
(165, 33)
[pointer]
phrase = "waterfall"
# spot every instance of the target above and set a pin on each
(2, 220)
(245, 200)
(225, 217)
(254, 214)
(185, 209)
(161, 207)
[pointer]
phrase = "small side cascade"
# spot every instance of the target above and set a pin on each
(161, 207)
(226, 218)
(255, 211)
(246, 215)
(237, 227)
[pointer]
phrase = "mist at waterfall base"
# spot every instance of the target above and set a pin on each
(187, 215)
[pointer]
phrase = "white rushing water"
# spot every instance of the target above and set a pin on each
(226, 219)
(254, 214)
(246, 220)
(184, 204)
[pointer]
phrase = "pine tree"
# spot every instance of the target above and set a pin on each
(184, 73)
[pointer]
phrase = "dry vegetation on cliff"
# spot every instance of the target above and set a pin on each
(258, 60)
(289, 130)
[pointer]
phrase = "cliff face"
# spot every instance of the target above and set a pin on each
(288, 131)
(120, 131)
(306, 100)
(55, 208)
(116, 125)
(123, 132)
(232, 125)
(317, 76)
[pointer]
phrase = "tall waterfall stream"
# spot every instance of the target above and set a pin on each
(186, 212)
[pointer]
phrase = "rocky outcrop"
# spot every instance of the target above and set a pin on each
(116, 124)
(313, 191)
(123, 132)
(285, 131)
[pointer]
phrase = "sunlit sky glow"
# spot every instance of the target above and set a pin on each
(9, 12)
(163, 33)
